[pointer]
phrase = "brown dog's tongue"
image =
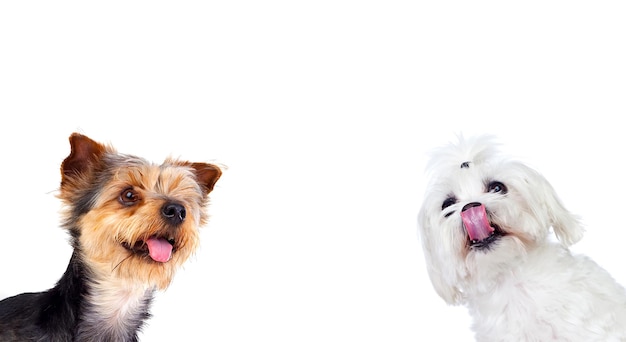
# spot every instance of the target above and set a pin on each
(160, 249)
(476, 223)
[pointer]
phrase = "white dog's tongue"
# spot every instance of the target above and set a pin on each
(160, 249)
(476, 223)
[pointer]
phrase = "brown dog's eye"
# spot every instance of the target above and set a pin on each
(129, 197)
(497, 187)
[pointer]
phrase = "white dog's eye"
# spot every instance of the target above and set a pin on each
(448, 202)
(497, 187)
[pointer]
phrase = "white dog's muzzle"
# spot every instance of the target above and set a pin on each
(481, 231)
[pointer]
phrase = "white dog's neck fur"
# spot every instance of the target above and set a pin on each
(538, 300)
(522, 286)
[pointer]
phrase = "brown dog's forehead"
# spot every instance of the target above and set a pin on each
(164, 179)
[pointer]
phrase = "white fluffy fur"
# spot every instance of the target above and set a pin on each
(526, 286)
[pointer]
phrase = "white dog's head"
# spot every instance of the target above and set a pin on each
(482, 213)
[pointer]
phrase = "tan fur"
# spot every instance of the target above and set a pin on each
(132, 223)
(109, 225)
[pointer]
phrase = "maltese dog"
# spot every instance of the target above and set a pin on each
(486, 227)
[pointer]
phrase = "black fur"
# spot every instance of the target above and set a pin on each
(61, 314)
(80, 307)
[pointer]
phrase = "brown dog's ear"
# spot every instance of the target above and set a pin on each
(84, 154)
(206, 175)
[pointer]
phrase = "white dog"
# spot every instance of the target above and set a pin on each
(485, 227)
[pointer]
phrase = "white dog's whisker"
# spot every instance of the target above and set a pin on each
(485, 226)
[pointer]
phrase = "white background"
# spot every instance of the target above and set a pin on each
(323, 112)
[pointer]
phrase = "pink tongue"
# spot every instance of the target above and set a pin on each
(160, 250)
(476, 223)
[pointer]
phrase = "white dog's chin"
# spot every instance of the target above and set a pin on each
(486, 227)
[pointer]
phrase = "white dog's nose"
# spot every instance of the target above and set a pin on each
(471, 205)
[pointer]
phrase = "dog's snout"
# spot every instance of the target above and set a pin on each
(174, 213)
(471, 205)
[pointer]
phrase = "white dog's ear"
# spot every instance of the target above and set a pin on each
(567, 226)
(441, 271)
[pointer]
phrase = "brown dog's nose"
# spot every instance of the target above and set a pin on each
(173, 213)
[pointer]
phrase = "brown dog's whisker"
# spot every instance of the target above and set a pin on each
(110, 200)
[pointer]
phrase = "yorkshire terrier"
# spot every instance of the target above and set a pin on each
(132, 225)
